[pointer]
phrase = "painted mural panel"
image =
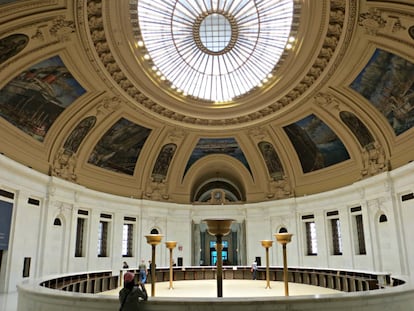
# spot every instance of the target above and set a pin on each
(316, 144)
(274, 166)
(75, 138)
(34, 99)
(358, 128)
(163, 161)
(387, 81)
(207, 146)
(8, 1)
(119, 148)
(12, 45)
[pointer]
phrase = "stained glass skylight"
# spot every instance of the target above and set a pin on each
(214, 50)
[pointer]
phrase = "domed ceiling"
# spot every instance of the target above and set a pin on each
(207, 101)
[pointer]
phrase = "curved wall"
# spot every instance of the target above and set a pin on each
(50, 248)
(399, 298)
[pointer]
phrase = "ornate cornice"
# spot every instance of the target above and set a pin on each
(333, 35)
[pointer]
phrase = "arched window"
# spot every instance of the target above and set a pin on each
(383, 218)
(154, 231)
(57, 222)
(283, 230)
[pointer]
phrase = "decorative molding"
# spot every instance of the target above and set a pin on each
(374, 160)
(372, 21)
(64, 165)
(108, 106)
(280, 189)
(97, 32)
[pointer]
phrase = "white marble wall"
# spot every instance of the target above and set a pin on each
(51, 248)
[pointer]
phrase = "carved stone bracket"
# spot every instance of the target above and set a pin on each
(64, 165)
(280, 189)
(374, 160)
(108, 106)
(157, 190)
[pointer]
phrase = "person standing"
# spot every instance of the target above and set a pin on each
(253, 269)
(125, 265)
(131, 295)
(143, 272)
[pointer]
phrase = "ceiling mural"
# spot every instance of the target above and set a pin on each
(163, 161)
(350, 113)
(274, 166)
(207, 146)
(34, 99)
(387, 82)
(357, 128)
(12, 45)
(75, 138)
(316, 144)
(8, 1)
(119, 148)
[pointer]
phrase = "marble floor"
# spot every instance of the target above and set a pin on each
(231, 288)
(206, 288)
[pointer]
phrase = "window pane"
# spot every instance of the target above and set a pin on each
(127, 240)
(360, 235)
(336, 237)
(80, 229)
(311, 240)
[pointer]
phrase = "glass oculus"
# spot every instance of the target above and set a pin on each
(215, 50)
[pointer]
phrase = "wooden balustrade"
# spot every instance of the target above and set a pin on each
(90, 283)
(346, 281)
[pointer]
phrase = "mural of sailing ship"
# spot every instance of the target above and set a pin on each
(34, 99)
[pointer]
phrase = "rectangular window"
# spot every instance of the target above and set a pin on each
(311, 240)
(336, 236)
(358, 231)
(103, 239)
(80, 237)
(6, 194)
(407, 197)
(26, 267)
(360, 235)
(127, 239)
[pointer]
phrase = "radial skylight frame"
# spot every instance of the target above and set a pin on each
(215, 50)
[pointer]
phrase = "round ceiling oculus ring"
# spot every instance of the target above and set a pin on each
(215, 51)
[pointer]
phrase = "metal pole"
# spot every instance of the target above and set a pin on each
(219, 266)
(267, 268)
(153, 271)
(171, 269)
(285, 270)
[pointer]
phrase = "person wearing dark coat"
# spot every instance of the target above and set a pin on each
(131, 294)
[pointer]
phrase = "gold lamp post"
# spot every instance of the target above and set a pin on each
(267, 244)
(171, 245)
(219, 228)
(284, 238)
(153, 240)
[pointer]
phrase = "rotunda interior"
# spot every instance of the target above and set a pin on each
(130, 117)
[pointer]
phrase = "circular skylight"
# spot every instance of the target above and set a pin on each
(215, 50)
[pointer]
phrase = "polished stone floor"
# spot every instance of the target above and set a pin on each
(231, 288)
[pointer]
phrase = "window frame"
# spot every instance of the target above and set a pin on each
(311, 236)
(104, 233)
(128, 240)
(81, 233)
(335, 233)
(358, 230)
